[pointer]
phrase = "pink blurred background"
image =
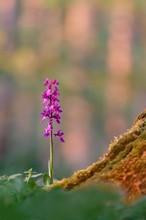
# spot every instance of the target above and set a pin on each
(96, 50)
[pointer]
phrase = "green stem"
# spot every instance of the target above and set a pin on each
(50, 162)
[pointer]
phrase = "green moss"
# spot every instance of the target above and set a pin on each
(143, 135)
(124, 164)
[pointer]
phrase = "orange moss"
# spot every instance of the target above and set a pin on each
(124, 164)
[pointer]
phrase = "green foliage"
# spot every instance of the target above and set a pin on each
(136, 211)
(27, 200)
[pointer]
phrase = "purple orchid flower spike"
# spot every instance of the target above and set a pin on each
(52, 108)
(51, 113)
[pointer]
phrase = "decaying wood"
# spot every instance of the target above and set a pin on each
(124, 164)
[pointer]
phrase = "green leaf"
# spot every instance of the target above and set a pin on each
(46, 179)
(36, 175)
(14, 176)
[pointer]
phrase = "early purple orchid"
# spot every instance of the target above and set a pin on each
(51, 112)
(52, 108)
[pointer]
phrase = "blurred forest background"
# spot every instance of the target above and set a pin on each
(96, 50)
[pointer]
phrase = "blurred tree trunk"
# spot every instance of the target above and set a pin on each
(78, 34)
(6, 115)
(119, 62)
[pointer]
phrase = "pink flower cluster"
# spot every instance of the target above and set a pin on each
(52, 109)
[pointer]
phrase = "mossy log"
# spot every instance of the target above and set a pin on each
(124, 164)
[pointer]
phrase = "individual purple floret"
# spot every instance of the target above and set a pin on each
(59, 134)
(52, 109)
